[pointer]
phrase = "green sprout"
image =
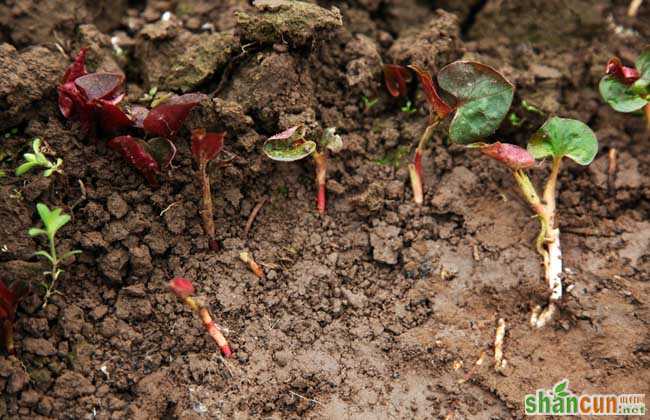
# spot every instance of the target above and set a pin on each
(369, 103)
(514, 119)
(53, 220)
(531, 108)
(408, 108)
(37, 159)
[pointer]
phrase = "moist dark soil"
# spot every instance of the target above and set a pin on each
(378, 309)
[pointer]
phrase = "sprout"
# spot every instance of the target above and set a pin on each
(205, 148)
(37, 159)
(291, 145)
(53, 220)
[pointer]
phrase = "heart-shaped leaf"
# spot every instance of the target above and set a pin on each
(206, 146)
(167, 118)
(484, 97)
(289, 145)
(560, 137)
(436, 103)
(620, 96)
(136, 152)
(509, 154)
(100, 85)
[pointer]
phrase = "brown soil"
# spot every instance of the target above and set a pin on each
(379, 308)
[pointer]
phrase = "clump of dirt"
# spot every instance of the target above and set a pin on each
(378, 309)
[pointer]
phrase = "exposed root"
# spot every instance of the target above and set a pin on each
(612, 168)
(254, 267)
(633, 10)
(540, 318)
(499, 362)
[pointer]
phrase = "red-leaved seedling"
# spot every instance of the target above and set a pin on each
(482, 99)
(167, 118)
(557, 138)
(291, 145)
(10, 297)
(184, 289)
(627, 89)
(205, 148)
(93, 97)
(147, 157)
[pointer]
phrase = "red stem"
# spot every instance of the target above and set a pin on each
(206, 213)
(415, 172)
(213, 329)
(320, 160)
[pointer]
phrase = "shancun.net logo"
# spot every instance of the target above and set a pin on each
(561, 401)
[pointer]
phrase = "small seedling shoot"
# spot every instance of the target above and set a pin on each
(556, 139)
(291, 145)
(184, 290)
(482, 100)
(10, 297)
(94, 99)
(627, 89)
(53, 220)
(205, 148)
(38, 159)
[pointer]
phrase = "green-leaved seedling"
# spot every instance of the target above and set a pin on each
(627, 89)
(291, 145)
(557, 139)
(53, 220)
(38, 159)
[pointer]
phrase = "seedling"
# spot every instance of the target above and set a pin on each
(205, 148)
(10, 297)
(627, 89)
(94, 100)
(53, 220)
(291, 145)
(557, 138)
(408, 108)
(184, 289)
(368, 104)
(37, 159)
(482, 99)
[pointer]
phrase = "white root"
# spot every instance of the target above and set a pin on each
(499, 362)
(553, 268)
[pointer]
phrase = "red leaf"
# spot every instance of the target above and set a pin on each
(111, 117)
(396, 77)
(181, 287)
(167, 118)
(625, 75)
(439, 106)
(206, 146)
(509, 154)
(71, 99)
(135, 152)
(101, 86)
(77, 68)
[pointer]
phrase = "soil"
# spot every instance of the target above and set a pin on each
(378, 309)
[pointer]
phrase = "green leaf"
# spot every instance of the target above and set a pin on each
(620, 96)
(560, 137)
(289, 153)
(45, 254)
(36, 146)
(35, 232)
(25, 167)
(70, 254)
(53, 220)
(484, 97)
(642, 64)
(289, 145)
